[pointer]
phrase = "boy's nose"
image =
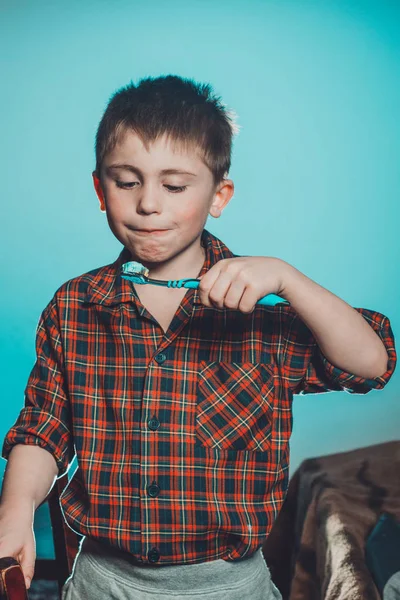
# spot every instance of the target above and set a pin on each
(148, 200)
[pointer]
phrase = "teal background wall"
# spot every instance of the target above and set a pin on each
(316, 164)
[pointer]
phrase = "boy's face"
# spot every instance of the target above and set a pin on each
(139, 196)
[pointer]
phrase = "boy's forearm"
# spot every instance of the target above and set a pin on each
(341, 332)
(29, 477)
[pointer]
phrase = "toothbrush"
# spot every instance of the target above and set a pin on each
(137, 273)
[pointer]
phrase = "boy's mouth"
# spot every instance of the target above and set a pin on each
(147, 231)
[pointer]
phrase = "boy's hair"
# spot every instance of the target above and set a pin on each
(187, 112)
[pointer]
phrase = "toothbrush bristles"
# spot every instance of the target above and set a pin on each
(135, 268)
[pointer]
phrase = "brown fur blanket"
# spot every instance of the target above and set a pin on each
(316, 550)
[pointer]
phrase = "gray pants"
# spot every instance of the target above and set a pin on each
(101, 575)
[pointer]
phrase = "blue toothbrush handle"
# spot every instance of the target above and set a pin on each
(272, 299)
(268, 300)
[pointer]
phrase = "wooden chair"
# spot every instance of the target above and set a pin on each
(65, 541)
(66, 546)
(12, 582)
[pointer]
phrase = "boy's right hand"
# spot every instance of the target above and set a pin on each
(17, 539)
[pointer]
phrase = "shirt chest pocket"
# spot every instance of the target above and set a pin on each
(234, 409)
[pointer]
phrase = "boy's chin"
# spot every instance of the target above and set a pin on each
(148, 257)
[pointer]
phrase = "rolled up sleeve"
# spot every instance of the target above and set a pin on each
(45, 419)
(308, 371)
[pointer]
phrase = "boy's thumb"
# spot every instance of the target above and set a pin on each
(28, 575)
(28, 567)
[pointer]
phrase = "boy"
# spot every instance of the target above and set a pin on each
(177, 402)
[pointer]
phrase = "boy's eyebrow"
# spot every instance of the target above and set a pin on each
(162, 172)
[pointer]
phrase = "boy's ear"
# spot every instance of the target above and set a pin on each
(99, 191)
(221, 198)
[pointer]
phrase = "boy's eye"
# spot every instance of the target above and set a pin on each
(122, 184)
(172, 188)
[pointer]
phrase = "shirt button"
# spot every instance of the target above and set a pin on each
(153, 423)
(153, 490)
(160, 357)
(153, 555)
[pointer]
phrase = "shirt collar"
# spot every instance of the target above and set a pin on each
(107, 287)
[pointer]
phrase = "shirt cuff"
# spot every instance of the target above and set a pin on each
(33, 427)
(355, 384)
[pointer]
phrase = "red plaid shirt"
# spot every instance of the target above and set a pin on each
(181, 438)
